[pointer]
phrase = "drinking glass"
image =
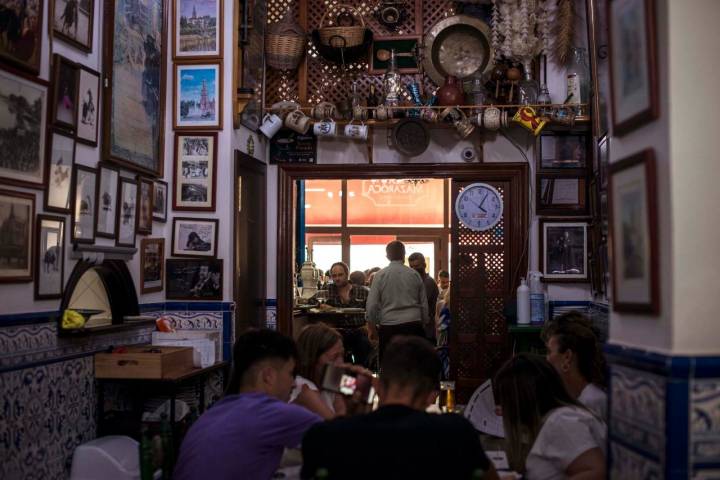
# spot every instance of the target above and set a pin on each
(447, 395)
(321, 296)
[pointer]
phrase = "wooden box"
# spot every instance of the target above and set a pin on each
(140, 362)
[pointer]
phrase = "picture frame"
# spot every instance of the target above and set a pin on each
(84, 206)
(564, 250)
(107, 201)
(561, 194)
(145, 210)
(401, 44)
(563, 152)
(49, 257)
(599, 64)
(152, 265)
(17, 214)
(193, 279)
(65, 78)
(160, 201)
(72, 22)
(195, 171)
(135, 89)
(194, 237)
(89, 94)
(197, 29)
(252, 76)
(60, 161)
(23, 161)
(127, 217)
(197, 95)
(24, 51)
(634, 234)
(633, 64)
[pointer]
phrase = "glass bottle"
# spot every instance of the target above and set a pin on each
(544, 99)
(477, 93)
(577, 81)
(528, 88)
(392, 83)
(355, 99)
(372, 101)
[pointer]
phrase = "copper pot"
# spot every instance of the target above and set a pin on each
(450, 94)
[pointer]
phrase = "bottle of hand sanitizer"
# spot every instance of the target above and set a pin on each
(537, 299)
(523, 303)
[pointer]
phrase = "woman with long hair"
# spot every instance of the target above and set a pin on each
(549, 434)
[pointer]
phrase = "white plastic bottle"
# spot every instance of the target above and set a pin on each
(537, 299)
(523, 303)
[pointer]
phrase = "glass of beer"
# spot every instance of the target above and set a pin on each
(447, 395)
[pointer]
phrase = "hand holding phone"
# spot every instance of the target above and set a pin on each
(348, 381)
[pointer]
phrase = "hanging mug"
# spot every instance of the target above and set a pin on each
(297, 121)
(271, 125)
(382, 113)
(358, 132)
(429, 115)
(491, 118)
(360, 113)
(323, 110)
(477, 119)
(464, 128)
(325, 128)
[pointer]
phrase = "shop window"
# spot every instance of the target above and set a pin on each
(396, 202)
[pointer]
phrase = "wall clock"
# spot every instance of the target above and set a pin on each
(479, 206)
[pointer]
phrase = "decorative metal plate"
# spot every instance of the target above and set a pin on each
(411, 137)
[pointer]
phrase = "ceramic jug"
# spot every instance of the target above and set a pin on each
(450, 94)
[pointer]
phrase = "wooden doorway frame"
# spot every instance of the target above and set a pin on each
(288, 174)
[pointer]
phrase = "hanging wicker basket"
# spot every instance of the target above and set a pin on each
(343, 36)
(285, 44)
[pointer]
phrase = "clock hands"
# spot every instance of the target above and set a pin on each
(483, 201)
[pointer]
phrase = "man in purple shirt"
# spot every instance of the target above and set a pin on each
(244, 434)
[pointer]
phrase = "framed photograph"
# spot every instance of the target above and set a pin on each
(17, 211)
(563, 151)
(160, 201)
(197, 96)
(49, 257)
(194, 172)
(145, 212)
(61, 158)
(633, 66)
(193, 279)
(134, 70)
(561, 194)
(89, 100)
(598, 48)
(84, 207)
(197, 28)
(65, 92)
(73, 22)
(152, 263)
(564, 250)
(23, 105)
(127, 213)
(194, 237)
(22, 34)
(633, 226)
(107, 201)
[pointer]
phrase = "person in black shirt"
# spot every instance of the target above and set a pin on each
(417, 263)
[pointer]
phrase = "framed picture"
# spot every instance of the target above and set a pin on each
(17, 211)
(61, 158)
(253, 62)
(65, 92)
(73, 22)
(598, 48)
(49, 257)
(23, 103)
(127, 213)
(193, 279)
(197, 28)
(194, 237)
(22, 34)
(564, 250)
(84, 206)
(633, 66)
(562, 151)
(160, 201)
(152, 263)
(198, 96)
(89, 100)
(194, 172)
(107, 201)
(561, 194)
(134, 70)
(145, 212)
(633, 226)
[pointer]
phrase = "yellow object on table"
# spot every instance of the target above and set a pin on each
(72, 319)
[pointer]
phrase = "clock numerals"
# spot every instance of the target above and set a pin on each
(479, 207)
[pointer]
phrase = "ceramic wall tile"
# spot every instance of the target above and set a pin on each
(628, 465)
(705, 421)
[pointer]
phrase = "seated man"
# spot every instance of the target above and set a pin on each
(399, 440)
(244, 434)
(341, 292)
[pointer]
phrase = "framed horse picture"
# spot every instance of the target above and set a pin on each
(72, 22)
(49, 256)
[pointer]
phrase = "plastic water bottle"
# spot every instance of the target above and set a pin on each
(523, 303)
(537, 299)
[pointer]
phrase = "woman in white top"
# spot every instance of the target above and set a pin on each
(549, 434)
(575, 353)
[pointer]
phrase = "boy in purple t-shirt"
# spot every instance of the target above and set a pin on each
(244, 434)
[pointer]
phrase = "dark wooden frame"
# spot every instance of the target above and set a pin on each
(108, 49)
(197, 220)
(38, 229)
(58, 61)
(176, 168)
(65, 38)
(48, 160)
(645, 158)
(197, 260)
(73, 206)
(556, 135)
(175, 33)
(143, 243)
(158, 218)
(388, 38)
(33, 69)
(145, 229)
(653, 110)
(118, 215)
(31, 244)
(104, 166)
(219, 106)
(542, 252)
(580, 208)
(98, 102)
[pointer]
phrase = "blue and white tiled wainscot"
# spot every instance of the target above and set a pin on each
(664, 415)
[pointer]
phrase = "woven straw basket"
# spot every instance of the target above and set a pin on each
(342, 37)
(285, 44)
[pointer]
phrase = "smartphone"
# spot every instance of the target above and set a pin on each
(346, 382)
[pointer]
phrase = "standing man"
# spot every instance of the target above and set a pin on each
(417, 263)
(443, 282)
(397, 304)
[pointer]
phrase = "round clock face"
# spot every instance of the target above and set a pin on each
(479, 206)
